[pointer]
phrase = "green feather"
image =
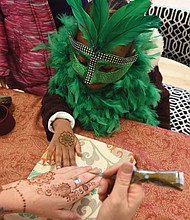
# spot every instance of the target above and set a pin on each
(100, 13)
(121, 16)
(85, 23)
(130, 31)
(124, 26)
(127, 18)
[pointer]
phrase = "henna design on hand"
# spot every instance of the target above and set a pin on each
(66, 138)
(19, 193)
(41, 179)
(64, 190)
(61, 190)
(85, 187)
(75, 194)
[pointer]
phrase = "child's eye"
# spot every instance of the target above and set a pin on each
(107, 69)
(82, 60)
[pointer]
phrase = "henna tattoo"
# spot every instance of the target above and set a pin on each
(75, 194)
(61, 190)
(64, 190)
(1, 188)
(41, 179)
(85, 187)
(80, 189)
(66, 138)
(20, 194)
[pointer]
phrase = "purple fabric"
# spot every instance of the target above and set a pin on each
(23, 25)
(61, 7)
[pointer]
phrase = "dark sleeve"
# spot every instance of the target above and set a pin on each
(163, 108)
(50, 105)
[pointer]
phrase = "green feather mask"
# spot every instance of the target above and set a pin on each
(133, 96)
(103, 33)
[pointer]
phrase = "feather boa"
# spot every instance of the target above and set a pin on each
(133, 97)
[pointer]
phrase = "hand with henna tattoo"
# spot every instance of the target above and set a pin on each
(51, 194)
(64, 144)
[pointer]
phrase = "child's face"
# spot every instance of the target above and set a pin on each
(120, 51)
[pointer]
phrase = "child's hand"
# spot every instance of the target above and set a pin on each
(64, 144)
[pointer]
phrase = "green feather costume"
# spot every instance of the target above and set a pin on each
(133, 96)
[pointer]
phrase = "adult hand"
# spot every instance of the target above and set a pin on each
(64, 144)
(51, 194)
(120, 198)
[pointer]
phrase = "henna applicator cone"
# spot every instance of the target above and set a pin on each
(172, 179)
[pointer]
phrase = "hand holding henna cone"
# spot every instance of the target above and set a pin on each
(172, 179)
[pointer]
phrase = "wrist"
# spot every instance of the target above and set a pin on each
(60, 115)
(60, 123)
(12, 198)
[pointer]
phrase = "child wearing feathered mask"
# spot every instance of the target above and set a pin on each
(105, 61)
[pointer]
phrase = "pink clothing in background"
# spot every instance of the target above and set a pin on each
(23, 25)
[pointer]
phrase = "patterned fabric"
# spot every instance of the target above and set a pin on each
(179, 109)
(154, 149)
(96, 154)
(175, 29)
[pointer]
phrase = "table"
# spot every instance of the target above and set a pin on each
(154, 149)
(175, 73)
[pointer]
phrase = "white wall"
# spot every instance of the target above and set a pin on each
(183, 4)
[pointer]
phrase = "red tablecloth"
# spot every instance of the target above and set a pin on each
(154, 149)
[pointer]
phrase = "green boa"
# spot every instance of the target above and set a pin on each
(133, 97)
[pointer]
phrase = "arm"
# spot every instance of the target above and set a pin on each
(50, 194)
(163, 108)
(4, 70)
(52, 104)
(63, 143)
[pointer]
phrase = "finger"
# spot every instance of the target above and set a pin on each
(137, 192)
(71, 171)
(82, 178)
(65, 157)
(102, 189)
(50, 152)
(65, 170)
(93, 172)
(111, 171)
(78, 148)
(68, 214)
(58, 157)
(105, 188)
(104, 185)
(84, 189)
(72, 156)
(122, 181)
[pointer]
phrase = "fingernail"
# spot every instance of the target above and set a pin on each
(96, 169)
(127, 168)
(58, 166)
